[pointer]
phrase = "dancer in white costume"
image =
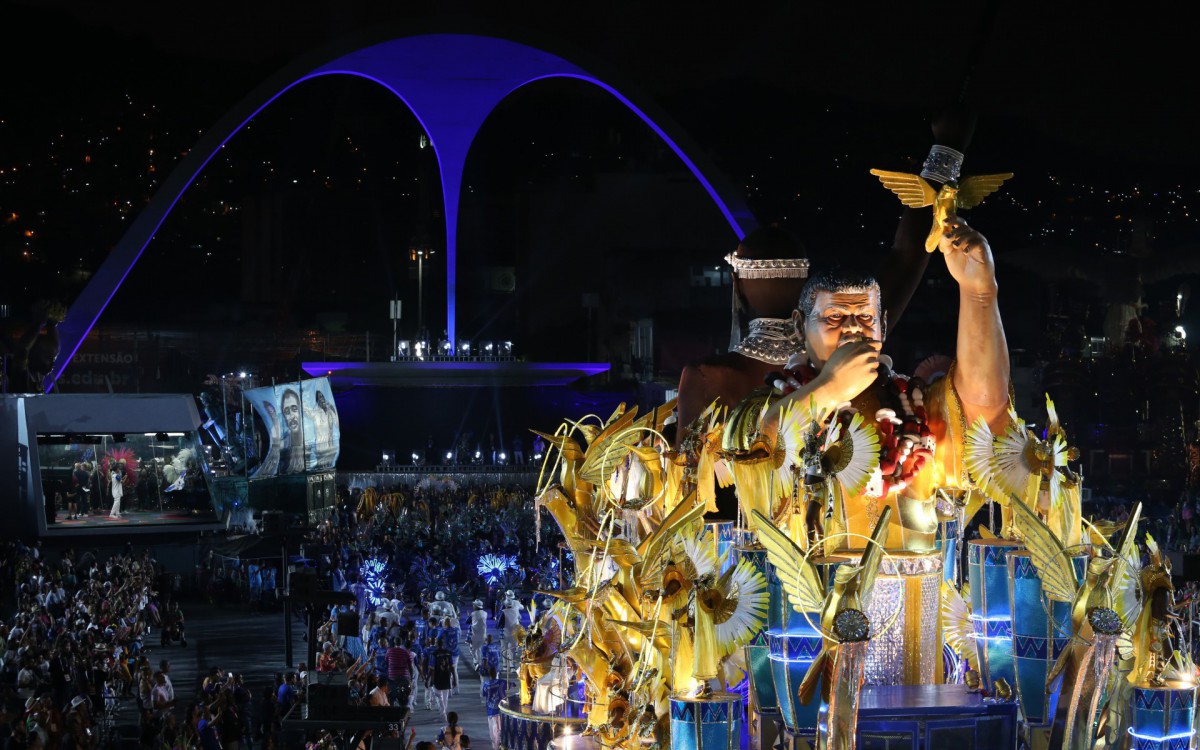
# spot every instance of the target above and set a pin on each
(478, 621)
(117, 476)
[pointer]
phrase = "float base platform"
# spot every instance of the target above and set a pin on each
(930, 717)
(522, 729)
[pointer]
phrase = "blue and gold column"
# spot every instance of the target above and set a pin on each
(762, 708)
(794, 643)
(1163, 717)
(1041, 630)
(991, 608)
(710, 723)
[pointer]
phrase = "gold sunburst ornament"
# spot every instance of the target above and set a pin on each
(853, 455)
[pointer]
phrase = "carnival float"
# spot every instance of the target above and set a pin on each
(835, 612)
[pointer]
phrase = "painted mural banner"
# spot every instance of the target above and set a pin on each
(302, 427)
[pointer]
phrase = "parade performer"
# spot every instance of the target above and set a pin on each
(510, 610)
(478, 623)
(117, 477)
(441, 609)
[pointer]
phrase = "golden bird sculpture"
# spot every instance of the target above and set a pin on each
(853, 586)
(1100, 614)
(915, 192)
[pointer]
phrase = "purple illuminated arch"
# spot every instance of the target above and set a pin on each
(450, 82)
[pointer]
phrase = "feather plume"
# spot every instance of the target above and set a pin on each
(746, 588)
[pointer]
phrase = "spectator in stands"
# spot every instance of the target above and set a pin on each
(285, 697)
(379, 697)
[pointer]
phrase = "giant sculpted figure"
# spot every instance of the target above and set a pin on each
(839, 319)
(769, 271)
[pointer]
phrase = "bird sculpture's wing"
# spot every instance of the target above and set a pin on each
(679, 517)
(912, 190)
(1059, 581)
(744, 609)
(706, 468)
(656, 418)
(619, 551)
(855, 456)
(1128, 572)
(610, 447)
(872, 556)
(1053, 426)
(800, 581)
(972, 190)
(1099, 532)
(956, 620)
(566, 445)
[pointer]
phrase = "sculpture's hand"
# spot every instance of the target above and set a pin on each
(850, 370)
(968, 257)
(954, 126)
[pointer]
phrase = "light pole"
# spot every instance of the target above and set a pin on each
(419, 254)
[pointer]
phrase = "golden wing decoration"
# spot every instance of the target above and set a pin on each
(679, 517)
(758, 487)
(854, 457)
(608, 449)
(621, 552)
(956, 620)
(872, 556)
(566, 445)
(800, 581)
(912, 190)
(972, 190)
(745, 592)
(1152, 548)
(1129, 568)
(1053, 426)
(1059, 581)
(706, 468)
(742, 424)
(1099, 532)
(656, 418)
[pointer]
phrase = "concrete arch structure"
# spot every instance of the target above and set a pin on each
(450, 82)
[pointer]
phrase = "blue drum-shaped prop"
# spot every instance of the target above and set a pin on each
(758, 662)
(710, 723)
(1162, 717)
(948, 545)
(794, 642)
(991, 608)
(1041, 630)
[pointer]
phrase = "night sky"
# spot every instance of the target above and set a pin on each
(1093, 114)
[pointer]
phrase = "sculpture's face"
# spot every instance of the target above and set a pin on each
(839, 318)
